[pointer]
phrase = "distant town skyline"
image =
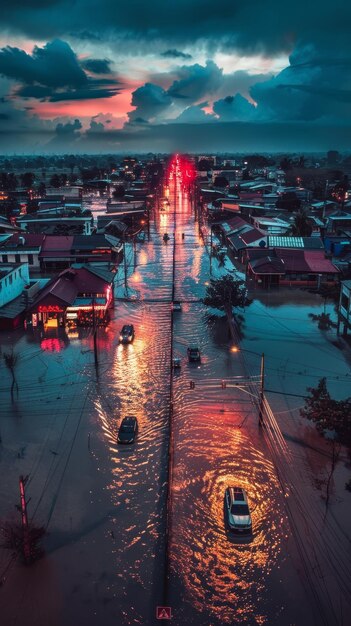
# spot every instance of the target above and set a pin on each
(198, 76)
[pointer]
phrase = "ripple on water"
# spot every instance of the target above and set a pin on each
(219, 571)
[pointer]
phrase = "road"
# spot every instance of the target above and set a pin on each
(105, 507)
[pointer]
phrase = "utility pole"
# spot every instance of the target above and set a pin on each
(325, 198)
(125, 263)
(24, 517)
(260, 412)
(211, 249)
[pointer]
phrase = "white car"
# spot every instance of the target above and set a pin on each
(237, 510)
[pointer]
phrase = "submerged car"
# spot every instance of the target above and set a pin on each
(127, 333)
(128, 429)
(237, 510)
(177, 362)
(193, 353)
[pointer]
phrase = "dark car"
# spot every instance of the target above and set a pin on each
(176, 305)
(237, 510)
(193, 353)
(128, 429)
(127, 333)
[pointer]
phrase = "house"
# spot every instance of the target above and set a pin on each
(293, 267)
(340, 221)
(344, 309)
(62, 251)
(58, 221)
(77, 296)
(14, 278)
(271, 225)
(22, 248)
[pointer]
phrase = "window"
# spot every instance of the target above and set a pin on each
(239, 509)
(4, 258)
(17, 258)
(344, 301)
(10, 279)
(30, 259)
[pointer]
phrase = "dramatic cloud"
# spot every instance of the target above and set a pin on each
(311, 88)
(196, 81)
(195, 114)
(97, 66)
(234, 87)
(48, 70)
(55, 65)
(176, 54)
(247, 27)
(69, 129)
(234, 109)
(150, 101)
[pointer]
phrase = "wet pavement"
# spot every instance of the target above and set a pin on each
(109, 559)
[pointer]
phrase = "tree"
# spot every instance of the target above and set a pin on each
(221, 181)
(339, 191)
(224, 294)
(55, 181)
(327, 413)
(289, 201)
(42, 190)
(11, 360)
(205, 165)
(27, 179)
(332, 419)
(118, 191)
(285, 164)
(301, 226)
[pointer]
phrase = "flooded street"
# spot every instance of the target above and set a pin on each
(110, 556)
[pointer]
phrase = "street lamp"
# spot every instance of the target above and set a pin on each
(236, 349)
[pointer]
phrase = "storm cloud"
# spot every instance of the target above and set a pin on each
(255, 26)
(48, 70)
(202, 71)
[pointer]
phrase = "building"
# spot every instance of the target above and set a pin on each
(290, 267)
(344, 310)
(78, 296)
(56, 221)
(14, 278)
(21, 248)
(59, 252)
(271, 225)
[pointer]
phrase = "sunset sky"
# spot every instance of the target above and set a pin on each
(106, 76)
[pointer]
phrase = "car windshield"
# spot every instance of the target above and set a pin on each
(239, 509)
(127, 428)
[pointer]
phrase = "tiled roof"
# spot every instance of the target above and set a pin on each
(57, 242)
(252, 235)
(267, 265)
(71, 282)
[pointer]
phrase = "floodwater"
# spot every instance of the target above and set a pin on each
(109, 559)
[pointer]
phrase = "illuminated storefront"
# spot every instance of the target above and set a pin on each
(77, 297)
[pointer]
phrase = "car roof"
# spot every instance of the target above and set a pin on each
(128, 419)
(237, 494)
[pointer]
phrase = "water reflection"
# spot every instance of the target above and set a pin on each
(223, 576)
